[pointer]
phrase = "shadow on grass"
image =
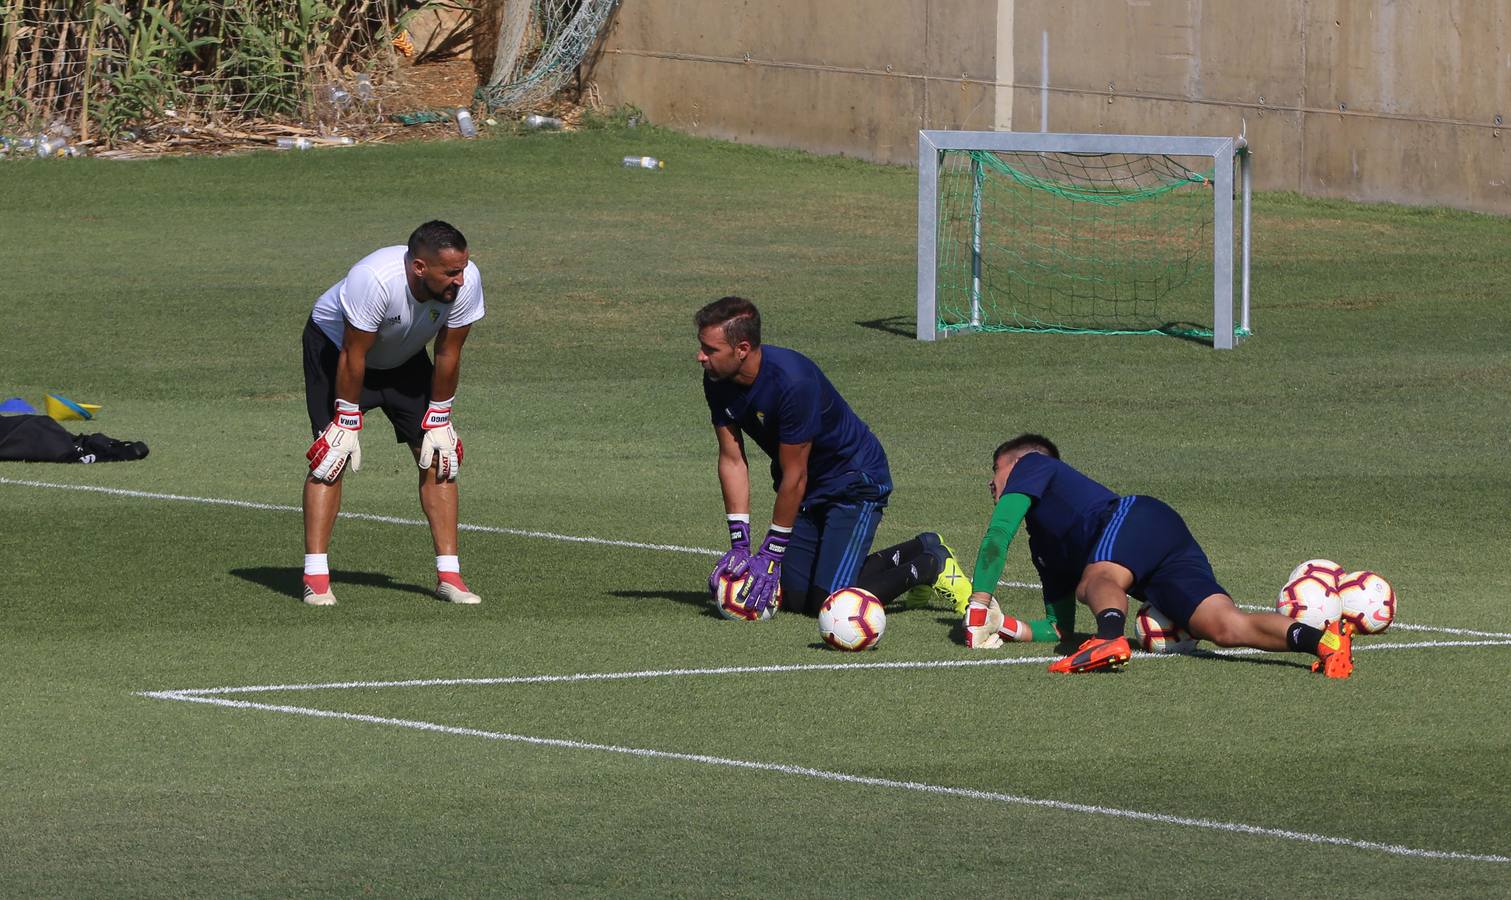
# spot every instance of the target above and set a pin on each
(289, 581)
(840, 654)
(1182, 331)
(1268, 659)
(907, 326)
(691, 598)
(1064, 647)
(903, 326)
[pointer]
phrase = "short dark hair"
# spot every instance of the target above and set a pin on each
(740, 318)
(1035, 441)
(433, 237)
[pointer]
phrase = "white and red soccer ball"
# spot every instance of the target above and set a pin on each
(1321, 591)
(1325, 570)
(727, 600)
(1369, 602)
(852, 619)
(1311, 599)
(1156, 633)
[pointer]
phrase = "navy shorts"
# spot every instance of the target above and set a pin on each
(830, 541)
(1152, 541)
(403, 392)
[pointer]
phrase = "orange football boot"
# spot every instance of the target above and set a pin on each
(1335, 652)
(1095, 655)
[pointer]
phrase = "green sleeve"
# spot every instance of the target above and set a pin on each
(1044, 630)
(992, 556)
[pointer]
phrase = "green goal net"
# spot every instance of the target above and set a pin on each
(1071, 241)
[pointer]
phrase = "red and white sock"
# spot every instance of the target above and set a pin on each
(317, 572)
(449, 571)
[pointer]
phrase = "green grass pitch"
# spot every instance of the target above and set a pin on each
(1365, 421)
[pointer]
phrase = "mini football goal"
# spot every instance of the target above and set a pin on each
(1082, 233)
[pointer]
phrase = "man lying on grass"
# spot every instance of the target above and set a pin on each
(1089, 543)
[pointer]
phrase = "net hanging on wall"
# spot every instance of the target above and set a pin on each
(540, 44)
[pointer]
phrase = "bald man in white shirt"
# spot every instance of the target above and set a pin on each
(364, 348)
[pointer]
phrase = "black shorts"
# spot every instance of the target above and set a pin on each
(403, 392)
(1169, 569)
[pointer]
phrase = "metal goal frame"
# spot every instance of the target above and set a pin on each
(1223, 152)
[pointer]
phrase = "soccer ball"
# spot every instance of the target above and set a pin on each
(851, 619)
(1157, 634)
(1369, 602)
(1310, 599)
(1326, 571)
(727, 600)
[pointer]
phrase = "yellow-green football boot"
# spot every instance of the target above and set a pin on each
(950, 590)
(952, 586)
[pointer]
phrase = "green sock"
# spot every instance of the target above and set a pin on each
(1062, 612)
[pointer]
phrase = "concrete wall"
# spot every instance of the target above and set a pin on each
(1381, 101)
(832, 76)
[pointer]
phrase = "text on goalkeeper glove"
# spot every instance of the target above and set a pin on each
(337, 444)
(737, 555)
(440, 445)
(764, 571)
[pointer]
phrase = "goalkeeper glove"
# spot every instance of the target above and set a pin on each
(336, 444)
(440, 444)
(738, 554)
(982, 621)
(987, 627)
(765, 572)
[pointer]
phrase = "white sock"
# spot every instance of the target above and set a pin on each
(316, 564)
(447, 564)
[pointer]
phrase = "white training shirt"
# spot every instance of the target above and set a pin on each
(375, 296)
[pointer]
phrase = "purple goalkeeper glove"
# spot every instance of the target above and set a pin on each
(765, 572)
(738, 555)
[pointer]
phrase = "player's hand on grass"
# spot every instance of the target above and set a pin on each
(337, 445)
(765, 571)
(440, 444)
(737, 555)
(983, 623)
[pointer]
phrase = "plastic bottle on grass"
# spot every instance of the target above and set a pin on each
(643, 162)
(295, 143)
(465, 124)
(536, 121)
(52, 146)
(364, 88)
(335, 95)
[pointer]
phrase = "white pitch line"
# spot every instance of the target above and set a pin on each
(600, 676)
(366, 517)
(1402, 626)
(389, 520)
(774, 669)
(846, 778)
(520, 532)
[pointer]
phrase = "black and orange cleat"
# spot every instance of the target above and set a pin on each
(1335, 652)
(1096, 655)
